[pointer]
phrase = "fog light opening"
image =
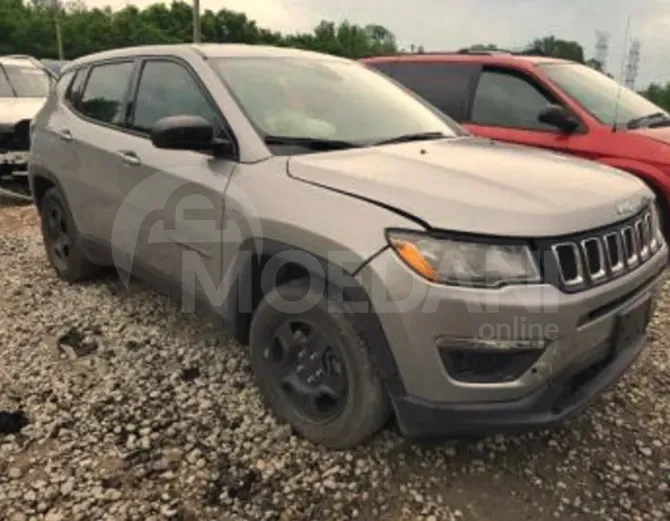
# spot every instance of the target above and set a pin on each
(489, 361)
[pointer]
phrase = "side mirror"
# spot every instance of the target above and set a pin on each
(187, 133)
(558, 117)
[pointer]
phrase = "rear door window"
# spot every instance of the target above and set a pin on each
(384, 67)
(447, 86)
(105, 92)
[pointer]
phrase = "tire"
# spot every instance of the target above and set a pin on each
(64, 251)
(365, 408)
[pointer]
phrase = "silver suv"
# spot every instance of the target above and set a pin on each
(24, 86)
(375, 257)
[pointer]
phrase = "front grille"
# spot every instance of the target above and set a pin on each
(17, 139)
(595, 258)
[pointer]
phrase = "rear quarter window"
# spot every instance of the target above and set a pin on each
(73, 92)
(63, 84)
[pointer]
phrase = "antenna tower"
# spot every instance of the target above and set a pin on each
(602, 48)
(633, 64)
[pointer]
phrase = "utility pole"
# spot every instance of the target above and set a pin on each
(196, 21)
(55, 6)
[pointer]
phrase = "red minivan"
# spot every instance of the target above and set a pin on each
(544, 102)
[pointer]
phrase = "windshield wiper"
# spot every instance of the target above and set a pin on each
(310, 143)
(406, 138)
(649, 120)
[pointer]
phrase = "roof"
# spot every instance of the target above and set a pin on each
(207, 50)
(499, 58)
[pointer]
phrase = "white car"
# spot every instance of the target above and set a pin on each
(24, 86)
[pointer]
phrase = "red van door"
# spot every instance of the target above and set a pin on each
(506, 106)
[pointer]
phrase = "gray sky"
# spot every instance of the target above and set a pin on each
(448, 24)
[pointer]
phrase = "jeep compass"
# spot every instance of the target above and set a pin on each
(375, 257)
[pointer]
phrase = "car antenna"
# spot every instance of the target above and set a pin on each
(621, 73)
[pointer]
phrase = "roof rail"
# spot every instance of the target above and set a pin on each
(526, 51)
(486, 52)
(469, 51)
(432, 53)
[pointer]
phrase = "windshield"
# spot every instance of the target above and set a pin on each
(327, 100)
(23, 82)
(598, 93)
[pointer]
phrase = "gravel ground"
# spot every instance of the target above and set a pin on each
(136, 411)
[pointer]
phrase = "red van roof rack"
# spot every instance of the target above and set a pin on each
(468, 51)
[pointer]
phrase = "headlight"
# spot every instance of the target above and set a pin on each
(465, 263)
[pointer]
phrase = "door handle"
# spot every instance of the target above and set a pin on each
(65, 135)
(129, 157)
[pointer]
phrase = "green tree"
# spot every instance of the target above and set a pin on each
(659, 94)
(483, 47)
(27, 27)
(595, 64)
(557, 48)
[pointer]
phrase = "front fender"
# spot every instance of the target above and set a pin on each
(650, 174)
(267, 213)
(241, 300)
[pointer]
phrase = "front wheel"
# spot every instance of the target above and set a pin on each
(313, 368)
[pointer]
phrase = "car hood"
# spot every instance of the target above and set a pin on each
(479, 186)
(661, 134)
(13, 110)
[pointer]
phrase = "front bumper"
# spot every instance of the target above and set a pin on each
(568, 394)
(574, 368)
(13, 161)
(14, 148)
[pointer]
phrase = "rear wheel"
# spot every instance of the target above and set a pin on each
(61, 239)
(313, 368)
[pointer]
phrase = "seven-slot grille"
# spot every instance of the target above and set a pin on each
(604, 255)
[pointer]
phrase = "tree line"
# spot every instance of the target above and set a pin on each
(28, 27)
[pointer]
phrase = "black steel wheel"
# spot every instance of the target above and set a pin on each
(308, 368)
(61, 240)
(57, 238)
(313, 369)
